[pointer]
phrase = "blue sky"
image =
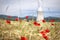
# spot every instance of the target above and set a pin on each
(30, 7)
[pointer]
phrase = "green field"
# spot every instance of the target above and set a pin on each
(16, 29)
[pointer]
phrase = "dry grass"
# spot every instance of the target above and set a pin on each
(17, 29)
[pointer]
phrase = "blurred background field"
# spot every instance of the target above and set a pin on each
(5, 17)
(16, 29)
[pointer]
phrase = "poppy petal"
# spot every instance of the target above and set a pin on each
(43, 21)
(9, 16)
(8, 21)
(52, 20)
(16, 19)
(24, 38)
(27, 17)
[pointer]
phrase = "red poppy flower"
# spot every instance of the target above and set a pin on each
(52, 20)
(52, 24)
(45, 37)
(36, 24)
(43, 21)
(24, 38)
(8, 21)
(47, 30)
(9, 16)
(42, 32)
(27, 17)
(16, 19)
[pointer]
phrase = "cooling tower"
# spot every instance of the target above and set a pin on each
(40, 15)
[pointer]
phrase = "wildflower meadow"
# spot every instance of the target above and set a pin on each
(29, 30)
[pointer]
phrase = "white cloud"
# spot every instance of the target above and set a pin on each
(14, 5)
(52, 4)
